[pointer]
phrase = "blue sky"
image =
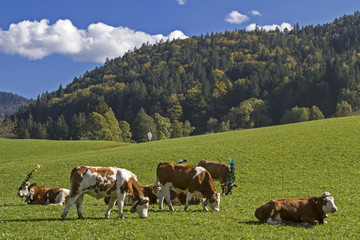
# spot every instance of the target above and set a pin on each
(45, 43)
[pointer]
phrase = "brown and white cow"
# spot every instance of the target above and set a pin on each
(43, 195)
(101, 182)
(179, 177)
(308, 210)
(219, 172)
(177, 199)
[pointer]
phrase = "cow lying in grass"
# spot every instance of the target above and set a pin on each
(308, 210)
(35, 194)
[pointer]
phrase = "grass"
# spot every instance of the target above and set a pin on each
(296, 160)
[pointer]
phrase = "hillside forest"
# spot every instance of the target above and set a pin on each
(209, 83)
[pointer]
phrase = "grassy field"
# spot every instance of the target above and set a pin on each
(296, 160)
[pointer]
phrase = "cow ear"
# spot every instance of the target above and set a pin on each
(235, 185)
(33, 185)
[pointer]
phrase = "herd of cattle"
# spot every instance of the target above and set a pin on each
(177, 184)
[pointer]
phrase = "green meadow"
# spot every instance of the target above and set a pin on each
(295, 160)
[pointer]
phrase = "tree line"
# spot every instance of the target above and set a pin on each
(208, 83)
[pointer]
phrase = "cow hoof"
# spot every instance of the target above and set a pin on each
(121, 216)
(186, 209)
(107, 216)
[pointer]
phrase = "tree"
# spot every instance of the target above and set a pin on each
(187, 128)
(62, 130)
(22, 131)
(296, 114)
(126, 134)
(176, 129)
(7, 128)
(343, 109)
(250, 113)
(141, 125)
(77, 123)
(315, 113)
(163, 126)
(174, 109)
(96, 128)
(113, 126)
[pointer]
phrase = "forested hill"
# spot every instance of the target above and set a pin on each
(213, 82)
(10, 103)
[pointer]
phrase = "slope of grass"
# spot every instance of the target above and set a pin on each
(294, 160)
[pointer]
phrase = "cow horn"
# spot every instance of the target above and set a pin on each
(30, 175)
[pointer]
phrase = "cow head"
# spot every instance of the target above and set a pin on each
(328, 205)
(227, 188)
(141, 207)
(27, 190)
(24, 190)
(214, 203)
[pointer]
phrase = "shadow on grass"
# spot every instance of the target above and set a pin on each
(52, 219)
(288, 224)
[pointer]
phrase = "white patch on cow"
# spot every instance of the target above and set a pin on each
(329, 207)
(198, 170)
(276, 220)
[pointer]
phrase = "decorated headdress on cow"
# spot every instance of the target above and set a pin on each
(30, 175)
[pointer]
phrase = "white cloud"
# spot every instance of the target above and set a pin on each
(236, 18)
(181, 2)
(99, 41)
(255, 13)
(273, 27)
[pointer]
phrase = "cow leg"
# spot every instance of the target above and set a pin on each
(111, 205)
(120, 203)
(310, 220)
(70, 202)
(78, 206)
(188, 199)
(60, 198)
(167, 196)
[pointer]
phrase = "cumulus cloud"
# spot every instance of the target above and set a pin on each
(273, 27)
(38, 39)
(235, 17)
(181, 2)
(255, 13)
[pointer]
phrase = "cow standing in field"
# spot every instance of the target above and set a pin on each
(219, 172)
(101, 182)
(43, 195)
(176, 198)
(309, 210)
(179, 177)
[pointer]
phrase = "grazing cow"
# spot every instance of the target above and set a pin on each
(179, 177)
(147, 190)
(219, 172)
(43, 195)
(308, 210)
(100, 182)
(176, 198)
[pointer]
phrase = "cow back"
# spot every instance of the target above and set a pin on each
(218, 171)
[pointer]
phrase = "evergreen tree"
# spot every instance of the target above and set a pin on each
(22, 131)
(61, 128)
(143, 124)
(113, 126)
(176, 129)
(162, 127)
(126, 134)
